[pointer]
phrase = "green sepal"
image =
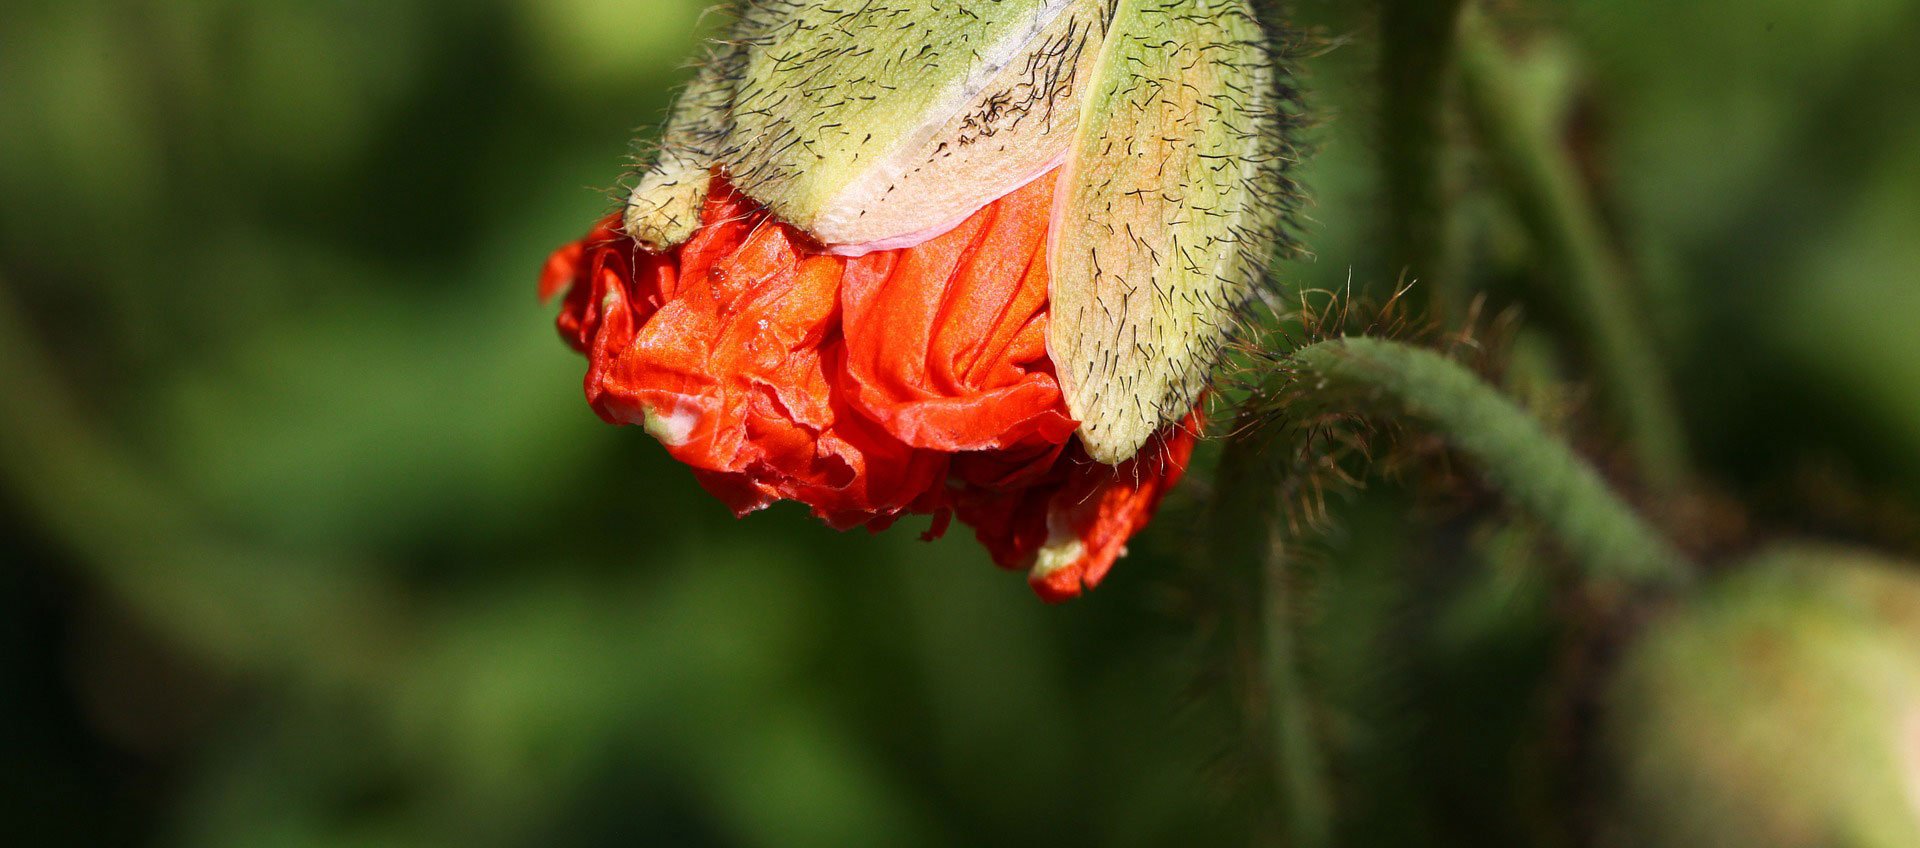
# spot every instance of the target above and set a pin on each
(883, 122)
(663, 209)
(1167, 217)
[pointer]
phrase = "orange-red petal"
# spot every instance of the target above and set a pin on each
(946, 342)
(1067, 529)
(909, 381)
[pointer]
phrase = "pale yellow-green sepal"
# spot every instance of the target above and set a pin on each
(881, 122)
(663, 209)
(1163, 225)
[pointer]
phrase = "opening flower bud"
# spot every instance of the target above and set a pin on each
(1782, 708)
(891, 257)
(882, 125)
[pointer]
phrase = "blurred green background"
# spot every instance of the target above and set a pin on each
(310, 539)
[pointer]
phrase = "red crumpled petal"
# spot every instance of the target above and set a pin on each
(1080, 515)
(605, 261)
(732, 375)
(911, 381)
(947, 342)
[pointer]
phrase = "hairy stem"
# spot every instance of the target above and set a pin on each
(1300, 767)
(1589, 278)
(1416, 58)
(1249, 544)
(1534, 469)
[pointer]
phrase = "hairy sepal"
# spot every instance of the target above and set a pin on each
(882, 122)
(663, 209)
(1162, 229)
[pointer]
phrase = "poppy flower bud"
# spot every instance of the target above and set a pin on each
(891, 257)
(1780, 709)
(881, 125)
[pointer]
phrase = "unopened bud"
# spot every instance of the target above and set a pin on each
(1782, 708)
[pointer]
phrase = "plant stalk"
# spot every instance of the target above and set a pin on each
(1531, 467)
(1416, 61)
(1545, 188)
(1250, 548)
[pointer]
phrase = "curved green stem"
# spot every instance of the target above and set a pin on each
(1546, 190)
(1534, 469)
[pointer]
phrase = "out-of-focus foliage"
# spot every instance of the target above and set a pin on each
(309, 538)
